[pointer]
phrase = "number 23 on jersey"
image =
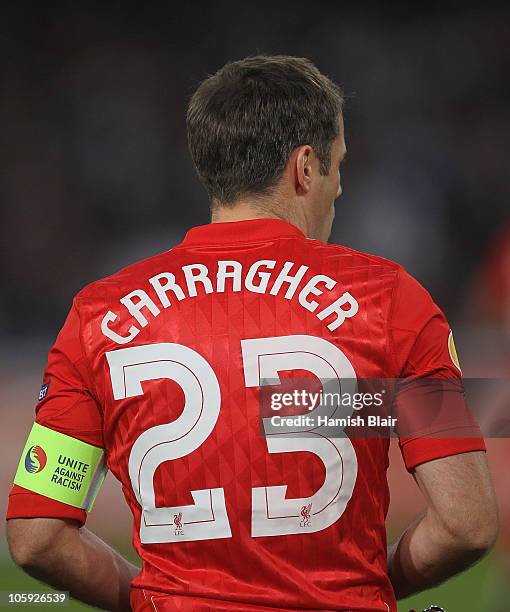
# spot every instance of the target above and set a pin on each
(263, 358)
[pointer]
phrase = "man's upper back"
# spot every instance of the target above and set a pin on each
(248, 278)
(168, 358)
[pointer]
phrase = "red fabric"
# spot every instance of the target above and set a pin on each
(148, 601)
(397, 331)
(25, 504)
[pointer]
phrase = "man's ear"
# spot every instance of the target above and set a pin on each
(303, 167)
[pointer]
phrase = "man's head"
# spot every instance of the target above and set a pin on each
(268, 130)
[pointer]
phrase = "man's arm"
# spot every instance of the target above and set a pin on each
(459, 526)
(72, 559)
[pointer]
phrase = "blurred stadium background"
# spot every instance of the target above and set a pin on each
(95, 174)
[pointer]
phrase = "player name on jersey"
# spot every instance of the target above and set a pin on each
(257, 278)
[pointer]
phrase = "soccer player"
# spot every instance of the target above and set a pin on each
(158, 371)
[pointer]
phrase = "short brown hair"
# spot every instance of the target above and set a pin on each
(245, 120)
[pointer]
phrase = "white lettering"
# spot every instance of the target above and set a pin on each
(284, 277)
(192, 279)
(109, 333)
(234, 274)
(311, 288)
(336, 307)
(162, 289)
(144, 301)
(264, 276)
(257, 280)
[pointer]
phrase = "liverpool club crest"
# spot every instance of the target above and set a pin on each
(305, 514)
(178, 524)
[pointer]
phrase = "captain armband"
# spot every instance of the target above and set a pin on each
(61, 467)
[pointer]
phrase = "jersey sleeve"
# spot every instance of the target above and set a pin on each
(68, 406)
(433, 418)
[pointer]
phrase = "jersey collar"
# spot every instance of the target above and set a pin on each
(251, 230)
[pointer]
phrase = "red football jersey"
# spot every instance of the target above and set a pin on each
(161, 365)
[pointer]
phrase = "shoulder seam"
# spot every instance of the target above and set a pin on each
(382, 260)
(84, 353)
(389, 335)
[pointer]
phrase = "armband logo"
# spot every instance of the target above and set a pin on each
(44, 391)
(61, 467)
(35, 459)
